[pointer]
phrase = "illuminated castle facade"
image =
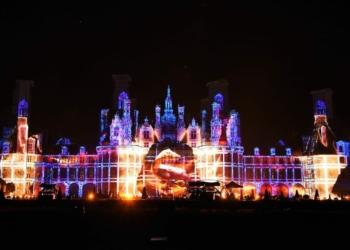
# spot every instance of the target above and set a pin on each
(166, 155)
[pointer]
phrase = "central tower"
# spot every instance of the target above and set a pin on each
(169, 120)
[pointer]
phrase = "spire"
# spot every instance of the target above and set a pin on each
(168, 101)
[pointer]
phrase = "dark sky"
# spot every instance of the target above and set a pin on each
(272, 55)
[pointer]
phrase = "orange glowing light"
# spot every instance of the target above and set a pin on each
(91, 196)
(128, 196)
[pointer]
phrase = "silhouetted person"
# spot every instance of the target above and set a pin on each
(144, 194)
(296, 194)
(266, 195)
(317, 196)
(281, 195)
(59, 194)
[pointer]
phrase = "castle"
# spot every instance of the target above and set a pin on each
(165, 156)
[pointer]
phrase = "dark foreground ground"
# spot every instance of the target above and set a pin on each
(118, 224)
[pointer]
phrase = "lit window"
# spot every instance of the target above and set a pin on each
(193, 135)
(72, 173)
(81, 173)
(90, 173)
(146, 135)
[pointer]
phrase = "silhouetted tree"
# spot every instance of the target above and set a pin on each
(59, 194)
(144, 194)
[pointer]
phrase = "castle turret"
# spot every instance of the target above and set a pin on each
(121, 84)
(181, 129)
(22, 127)
(215, 124)
(324, 95)
(158, 125)
(136, 124)
(219, 90)
(322, 139)
(104, 125)
(126, 123)
(233, 129)
(120, 128)
(204, 127)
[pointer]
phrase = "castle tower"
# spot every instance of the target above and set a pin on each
(127, 123)
(219, 87)
(215, 125)
(233, 129)
(104, 125)
(22, 127)
(181, 129)
(122, 83)
(204, 127)
(168, 119)
(322, 137)
(324, 95)
(136, 125)
(323, 134)
(158, 125)
(22, 92)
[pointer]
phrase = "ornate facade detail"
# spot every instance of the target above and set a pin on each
(204, 127)
(120, 128)
(233, 129)
(136, 125)
(158, 125)
(140, 156)
(104, 125)
(115, 131)
(146, 134)
(193, 134)
(181, 127)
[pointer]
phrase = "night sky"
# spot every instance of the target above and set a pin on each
(273, 56)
